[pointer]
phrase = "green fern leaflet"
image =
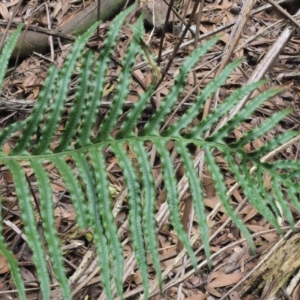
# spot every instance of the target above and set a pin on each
(79, 144)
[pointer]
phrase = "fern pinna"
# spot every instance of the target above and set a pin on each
(89, 190)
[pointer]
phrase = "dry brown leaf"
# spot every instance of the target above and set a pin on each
(270, 237)
(29, 81)
(249, 212)
(58, 187)
(212, 202)
(57, 6)
(4, 11)
(234, 258)
(11, 3)
(238, 196)
(8, 177)
(212, 291)
(198, 297)
(209, 185)
(6, 148)
(257, 144)
(296, 293)
(27, 275)
(234, 296)
(4, 268)
(238, 135)
(137, 278)
(220, 279)
(65, 19)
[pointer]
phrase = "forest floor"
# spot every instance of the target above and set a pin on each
(237, 273)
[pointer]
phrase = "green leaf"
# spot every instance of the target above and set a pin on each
(9, 131)
(221, 189)
(258, 202)
(7, 51)
(37, 113)
(83, 167)
(30, 226)
(200, 100)
(98, 82)
(62, 90)
(223, 108)
(47, 212)
(82, 214)
(105, 210)
(167, 104)
(261, 129)
(122, 91)
(148, 200)
(274, 143)
(78, 107)
(173, 198)
(135, 212)
(132, 118)
(13, 266)
(197, 196)
(243, 114)
(293, 193)
(92, 186)
(282, 201)
(262, 193)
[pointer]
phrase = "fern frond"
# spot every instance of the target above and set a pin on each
(197, 195)
(135, 212)
(7, 51)
(221, 189)
(4, 135)
(262, 193)
(276, 187)
(222, 109)
(243, 114)
(97, 222)
(81, 97)
(38, 112)
(293, 193)
(13, 266)
(286, 164)
(105, 210)
(148, 201)
(258, 202)
(173, 198)
(30, 226)
(123, 86)
(134, 114)
(9, 131)
(77, 195)
(158, 117)
(78, 154)
(274, 143)
(61, 92)
(257, 197)
(47, 211)
(261, 129)
(200, 100)
(98, 82)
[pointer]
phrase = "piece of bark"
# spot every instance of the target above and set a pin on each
(276, 270)
(30, 41)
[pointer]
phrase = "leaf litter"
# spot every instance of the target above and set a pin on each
(231, 260)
